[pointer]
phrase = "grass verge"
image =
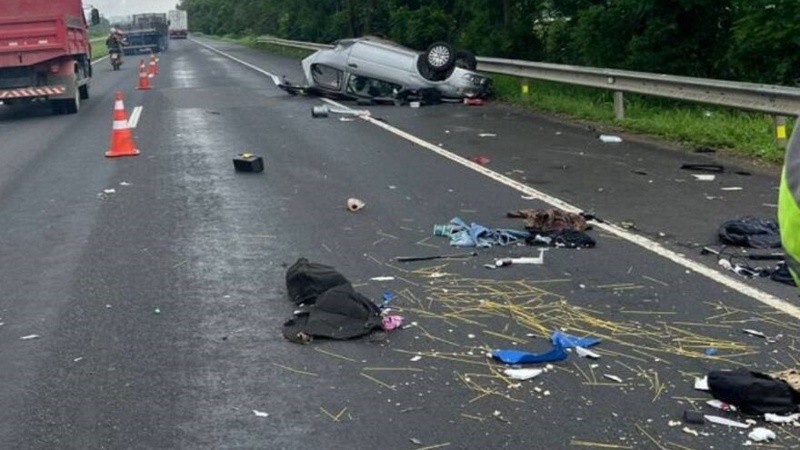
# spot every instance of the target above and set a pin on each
(99, 49)
(690, 124)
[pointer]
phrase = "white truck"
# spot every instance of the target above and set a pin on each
(178, 24)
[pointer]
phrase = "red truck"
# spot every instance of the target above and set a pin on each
(45, 54)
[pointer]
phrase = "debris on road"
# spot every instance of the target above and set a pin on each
(754, 333)
(319, 112)
(688, 430)
(430, 258)
(390, 323)
(704, 177)
(354, 204)
(709, 168)
(520, 357)
(610, 139)
(482, 160)
(538, 260)
(109, 191)
(751, 232)
(248, 162)
(523, 374)
(761, 434)
(694, 417)
(474, 101)
(475, 235)
(585, 353)
(701, 384)
(718, 404)
(726, 422)
(382, 279)
(485, 135)
(752, 392)
(260, 413)
(29, 337)
(777, 418)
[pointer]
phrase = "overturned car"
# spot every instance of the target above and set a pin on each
(379, 70)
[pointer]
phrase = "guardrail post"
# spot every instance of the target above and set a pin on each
(619, 105)
(781, 137)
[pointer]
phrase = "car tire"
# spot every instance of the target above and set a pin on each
(466, 60)
(439, 57)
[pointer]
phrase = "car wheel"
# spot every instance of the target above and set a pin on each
(466, 60)
(439, 57)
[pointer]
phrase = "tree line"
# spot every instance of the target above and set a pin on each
(747, 40)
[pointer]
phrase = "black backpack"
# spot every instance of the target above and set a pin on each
(305, 280)
(339, 313)
(752, 392)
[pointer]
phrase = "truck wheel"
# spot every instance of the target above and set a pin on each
(84, 92)
(72, 106)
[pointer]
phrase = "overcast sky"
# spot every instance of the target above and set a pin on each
(112, 8)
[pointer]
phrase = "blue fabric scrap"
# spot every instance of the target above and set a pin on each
(569, 341)
(475, 235)
(519, 357)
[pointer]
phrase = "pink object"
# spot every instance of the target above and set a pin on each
(390, 323)
(482, 160)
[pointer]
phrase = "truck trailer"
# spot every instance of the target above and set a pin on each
(146, 33)
(45, 54)
(178, 24)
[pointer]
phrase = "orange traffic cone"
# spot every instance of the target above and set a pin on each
(154, 64)
(153, 67)
(144, 80)
(121, 136)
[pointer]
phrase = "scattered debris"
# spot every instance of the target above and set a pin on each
(79, 359)
(485, 135)
(674, 423)
(523, 374)
(762, 435)
(354, 204)
(754, 333)
(584, 353)
(390, 323)
(415, 105)
(719, 404)
(109, 191)
(777, 418)
(482, 160)
(125, 183)
(260, 413)
(520, 357)
(727, 422)
(415, 441)
(416, 358)
(538, 260)
(323, 111)
(382, 279)
(732, 188)
(474, 102)
(694, 417)
(711, 351)
(429, 258)
(613, 378)
(248, 162)
(710, 168)
(751, 232)
(704, 177)
(610, 139)
(29, 337)
(688, 430)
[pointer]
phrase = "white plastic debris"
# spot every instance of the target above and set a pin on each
(109, 191)
(761, 435)
(525, 260)
(382, 279)
(733, 188)
(701, 384)
(125, 183)
(613, 378)
(585, 353)
(754, 333)
(719, 404)
(29, 337)
(260, 413)
(727, 422)
(674, 423)
(523, 374)
(416, 358)
(688, 430)
(704, 177)
(777, 418)
(414, 104)
(484, 135)
(610, 139)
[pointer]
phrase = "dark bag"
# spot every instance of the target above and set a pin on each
(751, 232)
(339, 313)
(305, 280)
(752, 392)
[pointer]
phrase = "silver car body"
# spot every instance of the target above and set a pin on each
(372, 67)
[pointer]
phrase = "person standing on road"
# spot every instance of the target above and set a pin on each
(789, 205)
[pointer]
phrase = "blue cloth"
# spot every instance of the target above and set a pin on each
(565, 340)
(519, 357)
(475, 235)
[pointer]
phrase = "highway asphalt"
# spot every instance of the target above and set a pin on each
(158, 306)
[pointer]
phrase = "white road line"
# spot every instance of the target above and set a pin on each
(714, 275)
(99, 60)
(133, 121)
(275, 78)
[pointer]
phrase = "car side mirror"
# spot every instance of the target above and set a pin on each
(95, 16)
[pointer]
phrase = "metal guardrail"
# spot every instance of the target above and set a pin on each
(780, 101)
